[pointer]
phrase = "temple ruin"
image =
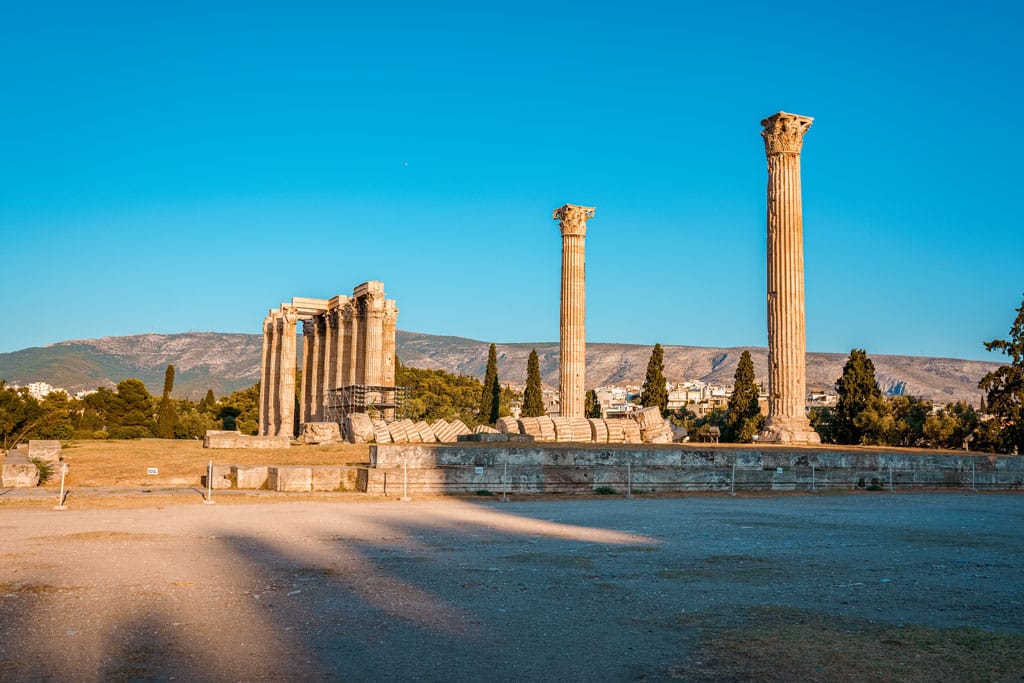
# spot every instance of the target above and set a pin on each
(348, 342)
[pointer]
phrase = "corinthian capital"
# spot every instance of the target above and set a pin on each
(784, 133)
(573, 219)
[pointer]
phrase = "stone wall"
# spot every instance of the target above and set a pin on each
(467, 468)
(218, 439)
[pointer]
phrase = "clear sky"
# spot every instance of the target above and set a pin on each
(172, 167)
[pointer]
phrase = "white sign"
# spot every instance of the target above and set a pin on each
(478, 470)
(778, 470)
(152, 470)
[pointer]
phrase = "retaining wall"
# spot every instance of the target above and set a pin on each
(468, 468)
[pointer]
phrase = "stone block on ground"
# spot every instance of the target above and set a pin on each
(358, 428)
(461, 428)
(250, 476)
(648, 418)
(580, 429)
(320, 432)
(326, 478)
(547, 428)
(530, 426)
(424, 433)
(380, 431)
(221, 439)
(485, 429)
(508, 425)
(223, 477)
(598, 430)
(398, 433)
(444, 431)
(616, 432)
(631, 430)
(563, 429)
(19, 475)
(291, 478)
(47, 450)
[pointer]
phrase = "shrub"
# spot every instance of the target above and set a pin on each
(605, 491)
(133, 432)
(45, 468)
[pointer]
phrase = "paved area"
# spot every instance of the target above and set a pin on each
(595, 589)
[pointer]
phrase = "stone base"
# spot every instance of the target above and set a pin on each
(19, 475)
(320, 432)
(788, 431)
(250, 477)
(219, 439)
(44, 450)
(294, 479)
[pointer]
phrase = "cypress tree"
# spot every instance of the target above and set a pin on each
(490, 397)
(591, 404)
(166, 415)
(533, 397)
(743, 418)
(655, 391)
(859, 399)
(1004, 387)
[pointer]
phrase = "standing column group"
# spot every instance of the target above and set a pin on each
(572, 363)
(346, 341)
(787, 337)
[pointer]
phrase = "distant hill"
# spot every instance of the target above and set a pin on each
(227, 362)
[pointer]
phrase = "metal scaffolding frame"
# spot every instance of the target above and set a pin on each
(379, 401)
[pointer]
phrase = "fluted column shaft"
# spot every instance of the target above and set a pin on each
(265, 374)
(286, 376)
(320, 359)
(787, 337)
(308, 369)
(348, 361)
(330, 343)
(572, 363)
(374, 348)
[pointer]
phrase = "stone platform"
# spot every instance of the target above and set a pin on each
(553, 468)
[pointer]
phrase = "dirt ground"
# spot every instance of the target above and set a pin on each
(910, 586)
(182, 463)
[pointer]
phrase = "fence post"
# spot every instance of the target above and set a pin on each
(60, 502)
(209, 485)
(405, 482)
(504, 484)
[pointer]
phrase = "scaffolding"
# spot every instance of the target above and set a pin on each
(380, 402)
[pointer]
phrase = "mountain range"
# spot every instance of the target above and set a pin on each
(225, 362)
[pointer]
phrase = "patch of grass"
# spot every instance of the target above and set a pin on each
(779, 644)
(484, 492)
(605, 491)
(45, 468)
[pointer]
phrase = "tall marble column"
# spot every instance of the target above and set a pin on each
(286, 375)
(319, 380)
(330, 343)
(787, 336)
(265, 373)
(348, 327)
(374, 364)
(572, 363)
(359, 352)
(308, 370)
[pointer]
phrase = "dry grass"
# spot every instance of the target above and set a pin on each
(182, 463)
(779, 644)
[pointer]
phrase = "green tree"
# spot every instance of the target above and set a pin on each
(437, 395)
(591, 404)
(247, 402)
(743, 417)
(166, 415)
(533, 397)
(209, 402)
(56, 419)
(655, 389)
(490, 395)
(860, 413)
(19, 413)
(1004, 387)
(909, 415)
(130, 414)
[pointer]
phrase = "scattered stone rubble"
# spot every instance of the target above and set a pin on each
(644, 426)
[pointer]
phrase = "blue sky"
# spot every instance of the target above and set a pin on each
(185, 167)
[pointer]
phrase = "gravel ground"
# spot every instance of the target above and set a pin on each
(456, 589)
